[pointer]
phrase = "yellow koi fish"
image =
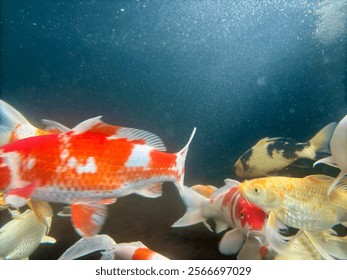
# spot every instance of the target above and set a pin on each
(301, 203)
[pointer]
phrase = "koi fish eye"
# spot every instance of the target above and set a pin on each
(242, 216)
(256, 190)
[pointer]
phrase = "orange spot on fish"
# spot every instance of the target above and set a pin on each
(142, 254)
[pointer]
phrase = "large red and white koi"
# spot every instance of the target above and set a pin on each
(87, 167)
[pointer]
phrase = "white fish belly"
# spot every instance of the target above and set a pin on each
(71, 195)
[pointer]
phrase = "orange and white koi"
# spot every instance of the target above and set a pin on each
(301, 203)
(229, 209)
(14, 126)
(338, 146)
(86, 167)
(110, 249)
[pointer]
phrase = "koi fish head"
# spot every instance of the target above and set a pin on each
(242, 167)
(258, 192)
(251, 216)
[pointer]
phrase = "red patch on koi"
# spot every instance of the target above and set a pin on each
(142, 254)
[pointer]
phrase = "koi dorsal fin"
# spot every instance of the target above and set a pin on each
(54, 127)
(137, 136)
(229, 184)
(140, 137)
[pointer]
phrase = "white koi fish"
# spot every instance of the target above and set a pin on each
(110, 249)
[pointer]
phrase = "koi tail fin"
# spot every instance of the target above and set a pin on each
(87, 245)
(195, 204)
(180, 160)
(10, 119)
(320, 143)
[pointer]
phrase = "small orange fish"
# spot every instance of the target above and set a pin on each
(86, 167)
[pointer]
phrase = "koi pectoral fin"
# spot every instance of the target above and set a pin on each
(88, 217)
(231, 242)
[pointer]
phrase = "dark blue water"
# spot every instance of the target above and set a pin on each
(237, 70)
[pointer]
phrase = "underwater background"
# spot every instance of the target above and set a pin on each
(238, 70)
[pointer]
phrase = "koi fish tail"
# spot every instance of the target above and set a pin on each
(87, 245)
(180, 161)
(196, 209)
(10, 120)
(319, 145)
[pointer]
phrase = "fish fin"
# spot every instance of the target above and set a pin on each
(152, 191)
(10, 119)
(337, 184)
(195, 203)
(48, 239)
(54, 127)
(301, 163)
(231, 242)
(65, 212)
(42, 211)
(328, 161)
(108, 201)
(87, 245)
(88, 217)
(138, 136)
(252, 250)
(264, 140)
(107, 255)
(17, 197)
(220, 225)
(205, 190)
(229, 184)
(180, 159)
(320, 143)
(328, 245)
(87, 125)
(276, 240)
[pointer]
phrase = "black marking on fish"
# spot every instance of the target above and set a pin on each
(245, 158)
(289, 147)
